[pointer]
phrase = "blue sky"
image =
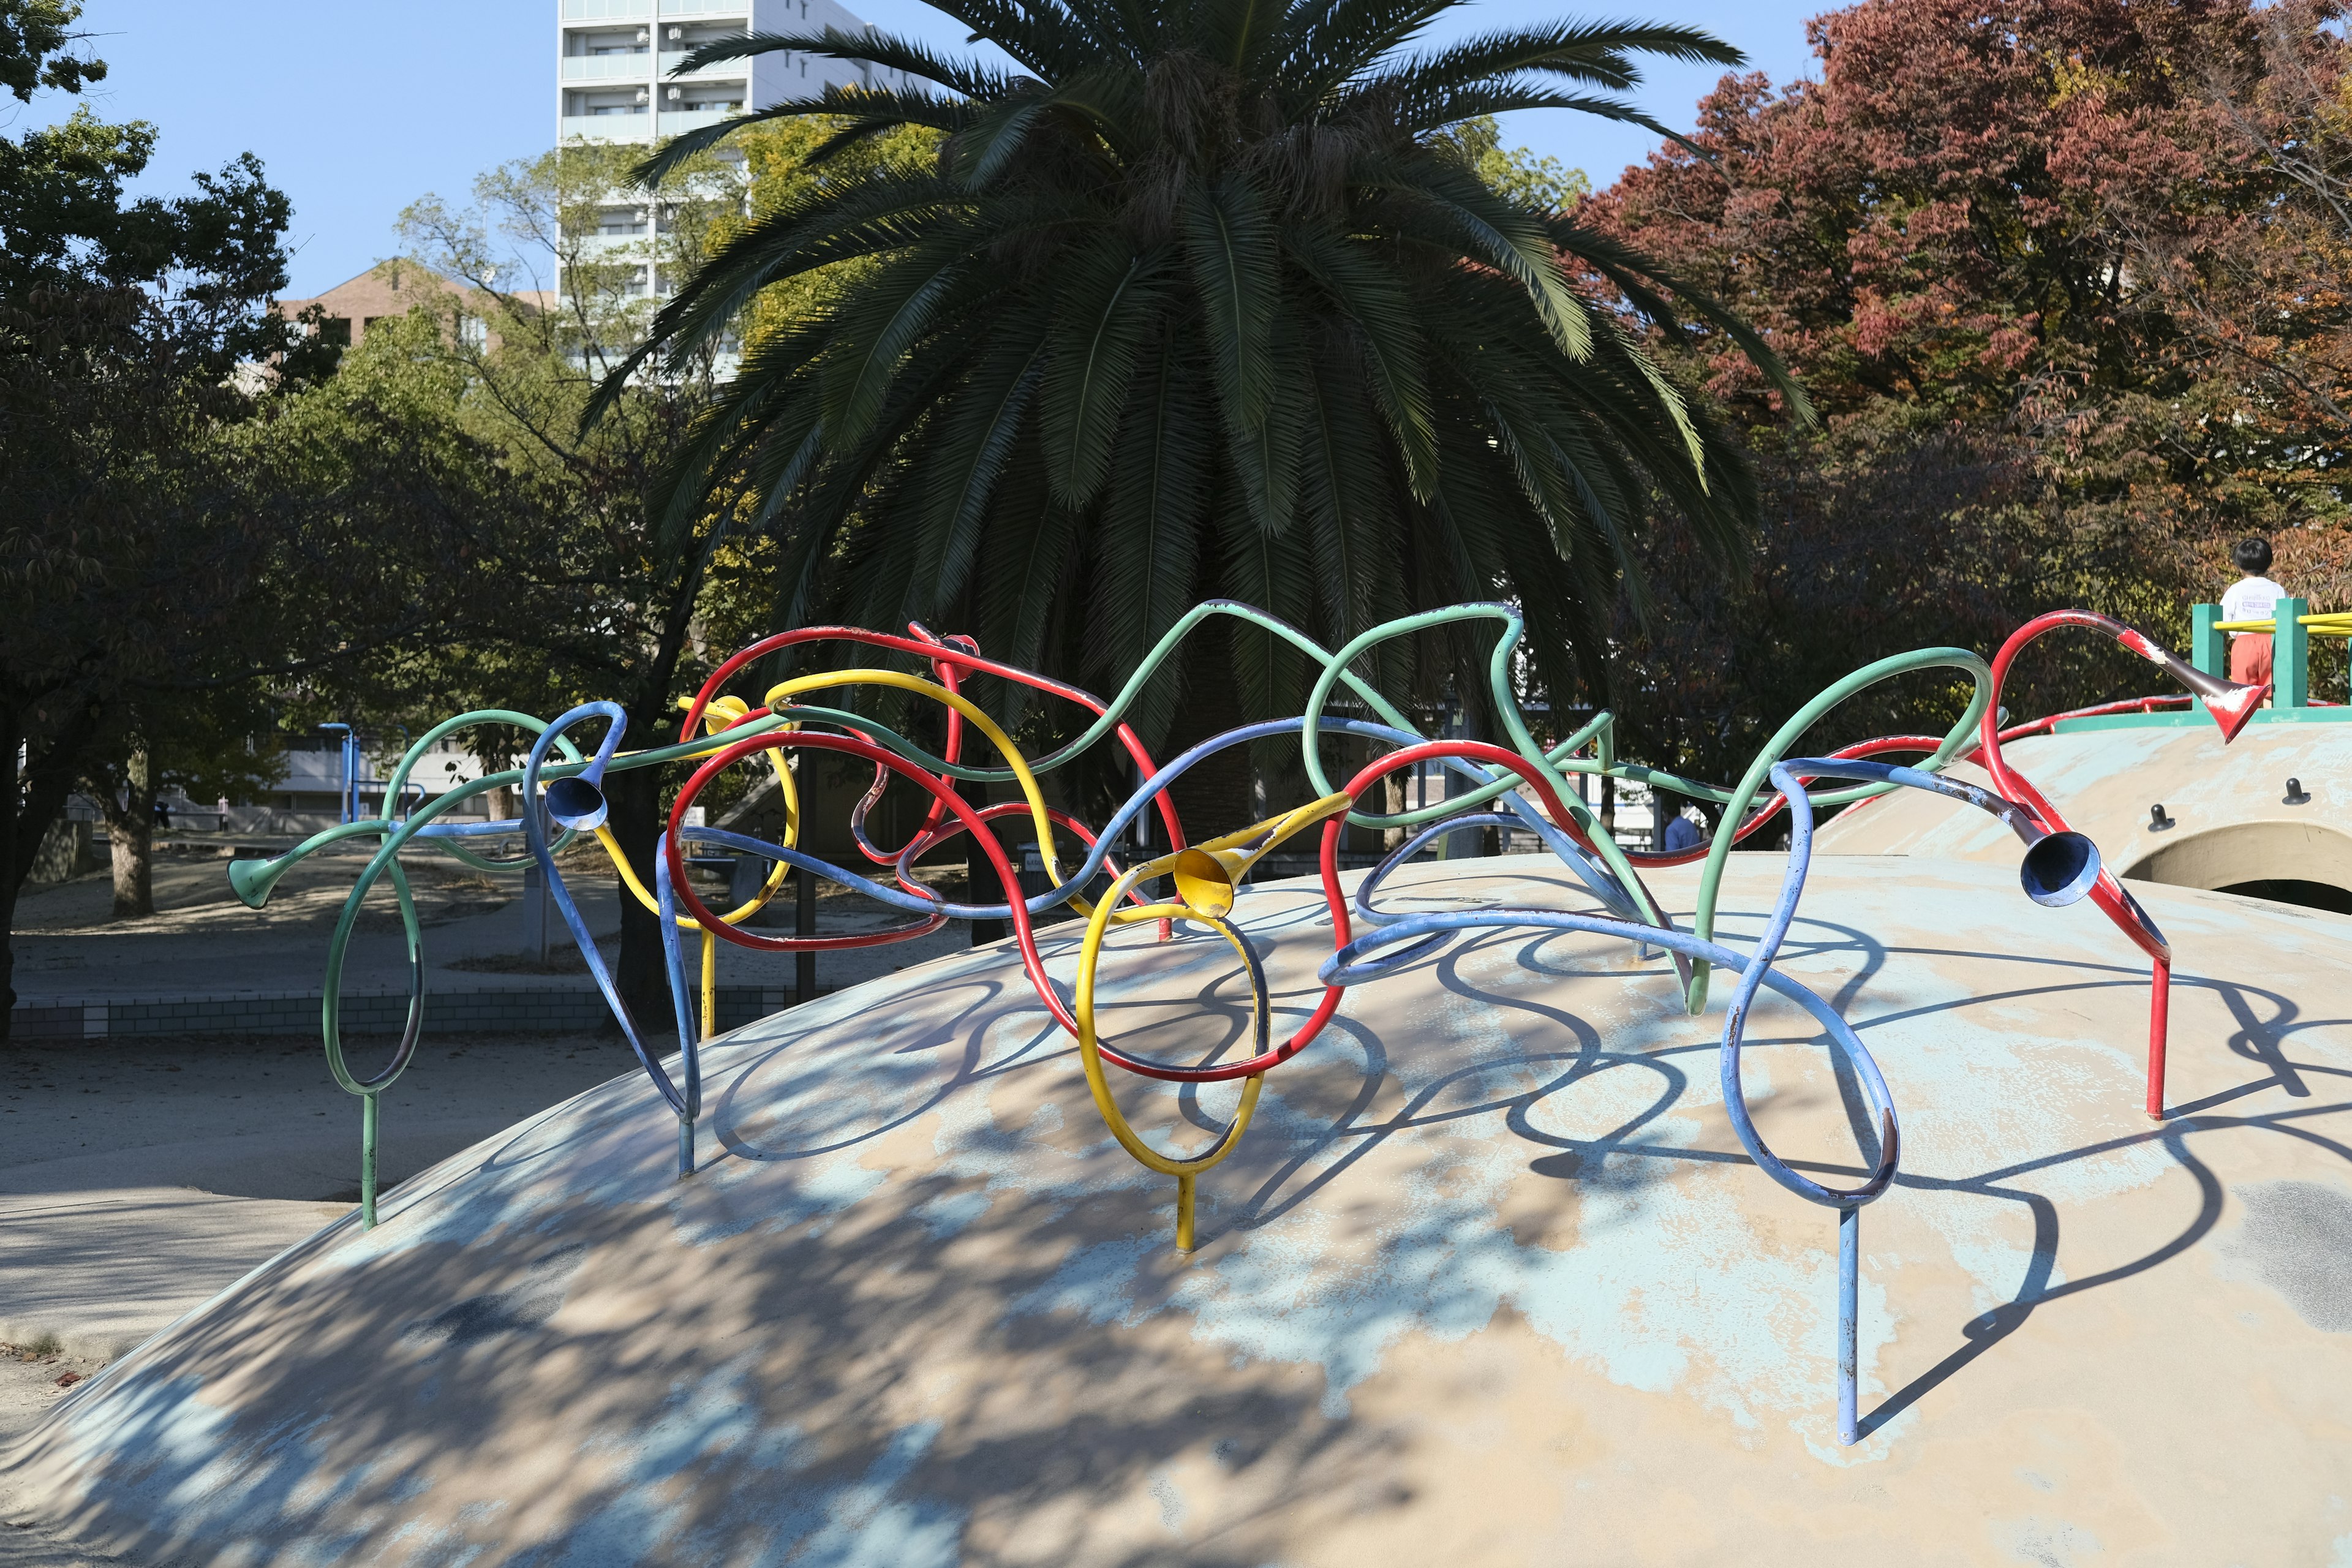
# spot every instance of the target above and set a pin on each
(357, 110)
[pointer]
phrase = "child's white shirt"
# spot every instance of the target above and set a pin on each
(2251, 599)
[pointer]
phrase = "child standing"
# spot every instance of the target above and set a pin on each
(2253, 597)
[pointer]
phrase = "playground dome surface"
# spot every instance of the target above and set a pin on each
(2272, 806)
(1490, 1281)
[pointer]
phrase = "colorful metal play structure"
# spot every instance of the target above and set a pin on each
(1520, 783)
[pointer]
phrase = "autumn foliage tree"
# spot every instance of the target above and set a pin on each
(2005, 249)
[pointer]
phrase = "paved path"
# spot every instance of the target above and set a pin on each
(201, 942)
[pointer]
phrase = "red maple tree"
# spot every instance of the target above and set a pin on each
(2001, 246)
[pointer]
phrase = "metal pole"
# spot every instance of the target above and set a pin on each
(343, 801)
(1849, 1271)
(367, 1162)
(804, 925)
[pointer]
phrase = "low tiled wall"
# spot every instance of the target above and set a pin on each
(508, 1012)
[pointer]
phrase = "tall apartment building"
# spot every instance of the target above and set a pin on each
(614, 83)
(613, 61)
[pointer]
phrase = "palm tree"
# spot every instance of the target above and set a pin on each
(1206, 297)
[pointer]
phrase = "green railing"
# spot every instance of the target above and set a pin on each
(2292, 626)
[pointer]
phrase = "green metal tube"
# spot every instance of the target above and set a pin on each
(1752, 784)
(367, 1162)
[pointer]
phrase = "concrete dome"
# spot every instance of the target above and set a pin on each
(1490, 1281)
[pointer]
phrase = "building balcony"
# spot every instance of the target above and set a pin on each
(604, 248)
(608, 127)
(692, 120)
(607, 68)
(672, 59)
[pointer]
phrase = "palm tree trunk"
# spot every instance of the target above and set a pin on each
(1216, 797)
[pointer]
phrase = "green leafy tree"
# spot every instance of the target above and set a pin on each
(595, 598)
(36, 50)
(1200, 299)
(121, 562)
(163, 571)
(1545, 184)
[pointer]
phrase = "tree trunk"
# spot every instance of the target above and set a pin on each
(635, 798)
(500, 802)
(1394, 804)
(981, 884)
(19, 829)
(130, 839)
(7, 952)
(1216, 797)
(37, 798)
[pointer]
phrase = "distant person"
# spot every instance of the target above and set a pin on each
(2253, 597)
(222, 810)
(1681, 833)
(162, 813)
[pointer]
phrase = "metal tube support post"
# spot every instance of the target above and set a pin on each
(367, 1162)
(1849, 1289)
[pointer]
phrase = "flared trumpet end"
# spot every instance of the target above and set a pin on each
(2060, 868)
(576, 803)
(1205, 882)
(2234, 706)
(2232, 703)
(252, 880)
(1208, 875)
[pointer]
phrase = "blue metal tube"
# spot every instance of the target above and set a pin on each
(688, 1103)
(1849, 1287)
(2063, 872)
(535, 814)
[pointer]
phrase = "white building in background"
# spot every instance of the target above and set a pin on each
(613, 61)
(614, 83)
